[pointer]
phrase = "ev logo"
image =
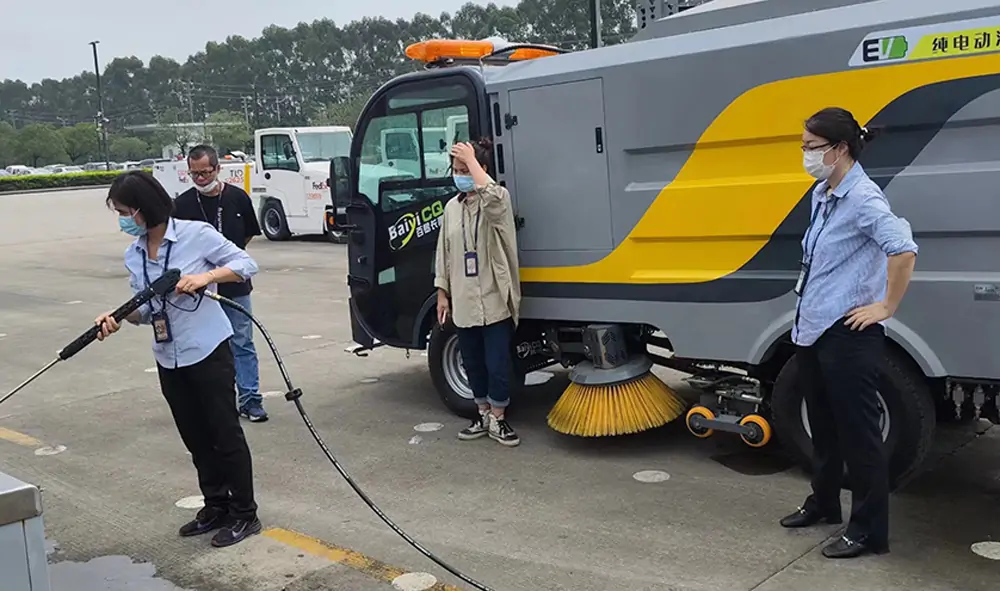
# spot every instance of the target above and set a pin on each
(885, 48)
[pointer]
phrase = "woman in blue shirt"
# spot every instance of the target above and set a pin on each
(857, 261)
(191, 345)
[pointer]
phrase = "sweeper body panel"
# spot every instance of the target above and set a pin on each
(661, 201)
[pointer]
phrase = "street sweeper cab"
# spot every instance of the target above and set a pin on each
(660, 202)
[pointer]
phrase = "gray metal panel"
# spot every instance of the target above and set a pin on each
(950, 196)
(19, 501)
(659, 100)
(723, 13)
(562, 176)
(38, 565)
(14, 558)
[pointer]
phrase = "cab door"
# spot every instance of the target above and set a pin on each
(282, 173)
(395, 212)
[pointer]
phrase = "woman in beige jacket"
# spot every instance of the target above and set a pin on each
(476, 274)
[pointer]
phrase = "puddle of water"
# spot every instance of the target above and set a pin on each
(107, 573)
(753, 463)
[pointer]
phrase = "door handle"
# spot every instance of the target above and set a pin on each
(267, 175)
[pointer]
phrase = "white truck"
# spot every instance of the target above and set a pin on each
(286, 179)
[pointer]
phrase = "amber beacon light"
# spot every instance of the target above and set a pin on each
(434, 50)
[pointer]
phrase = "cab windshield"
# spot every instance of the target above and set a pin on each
(324, 146)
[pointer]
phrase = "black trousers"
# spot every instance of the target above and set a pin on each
(839, 376)
(202, 400)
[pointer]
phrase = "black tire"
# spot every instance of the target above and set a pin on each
(443, 361)
(902, 390)
(273, 224)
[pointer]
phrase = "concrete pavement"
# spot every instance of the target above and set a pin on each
(555, 513)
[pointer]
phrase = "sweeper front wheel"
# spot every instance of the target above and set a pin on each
(758, 431)
(693, 418)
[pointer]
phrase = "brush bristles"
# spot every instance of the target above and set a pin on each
(616, 409)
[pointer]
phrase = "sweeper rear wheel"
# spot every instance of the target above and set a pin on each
(704, 413)
(760, 430)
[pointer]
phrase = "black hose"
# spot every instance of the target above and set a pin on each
(293, 395)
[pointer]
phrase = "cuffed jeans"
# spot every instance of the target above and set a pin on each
(486, 356)
(244, 353)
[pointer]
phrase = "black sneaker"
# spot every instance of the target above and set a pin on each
(208, 519)
(236, 531)
(478, 428)
(501, 432)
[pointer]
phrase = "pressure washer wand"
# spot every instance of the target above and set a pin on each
(160, 287)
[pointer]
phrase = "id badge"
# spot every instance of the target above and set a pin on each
(161, 327)
(801, 281)
(471, 264)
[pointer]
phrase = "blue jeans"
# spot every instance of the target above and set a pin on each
(486, 356)
(244, 353)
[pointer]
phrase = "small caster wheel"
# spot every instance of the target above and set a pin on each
(760, 430)
(704, 413)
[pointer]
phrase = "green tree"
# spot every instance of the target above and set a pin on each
(345, 112)
(290, 76)
(39, 144)
(81, 142)
(8, 144)
(228, 131)
(126, 147)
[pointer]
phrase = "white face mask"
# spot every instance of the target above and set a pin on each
(813, 163)
(208, 188)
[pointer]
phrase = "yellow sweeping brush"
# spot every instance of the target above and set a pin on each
(631, 406)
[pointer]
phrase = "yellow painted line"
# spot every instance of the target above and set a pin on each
(375, 569)
(19, 438)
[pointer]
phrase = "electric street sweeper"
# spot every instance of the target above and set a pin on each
(660, 202)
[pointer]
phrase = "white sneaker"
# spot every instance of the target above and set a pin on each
(478, 428)
(502, 432)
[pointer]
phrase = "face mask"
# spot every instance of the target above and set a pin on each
(129, 226)
(464, 183)
(813, 163)
(208, 188)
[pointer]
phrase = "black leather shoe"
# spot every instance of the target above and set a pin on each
(846, 547)
(235, 532)
(805, 518)
(207, 520)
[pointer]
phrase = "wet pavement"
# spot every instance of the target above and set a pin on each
(655, 512)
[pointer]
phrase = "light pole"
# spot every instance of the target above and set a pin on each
(101, 128)
(595, 24)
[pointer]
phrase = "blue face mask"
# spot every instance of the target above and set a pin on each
(129, 226)
(464, 183)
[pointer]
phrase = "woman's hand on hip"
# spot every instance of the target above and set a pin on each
(190, 284)
(108, 324)
(865, 316)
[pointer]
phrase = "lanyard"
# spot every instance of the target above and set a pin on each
(218, 213)
(145, 275)
(475, 239)
(827, 214)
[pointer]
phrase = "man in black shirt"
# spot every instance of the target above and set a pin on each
(228, 209)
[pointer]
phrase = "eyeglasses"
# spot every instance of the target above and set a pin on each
(812, 148)
(201, 173)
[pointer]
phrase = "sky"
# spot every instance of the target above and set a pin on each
(54, 42)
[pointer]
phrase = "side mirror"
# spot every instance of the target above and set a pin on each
(340, 180)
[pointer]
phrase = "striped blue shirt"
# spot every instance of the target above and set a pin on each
(197, 328)
(849, 266)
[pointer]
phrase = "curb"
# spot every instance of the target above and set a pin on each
(53, 190)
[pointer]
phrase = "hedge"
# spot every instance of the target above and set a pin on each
(30, 182)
